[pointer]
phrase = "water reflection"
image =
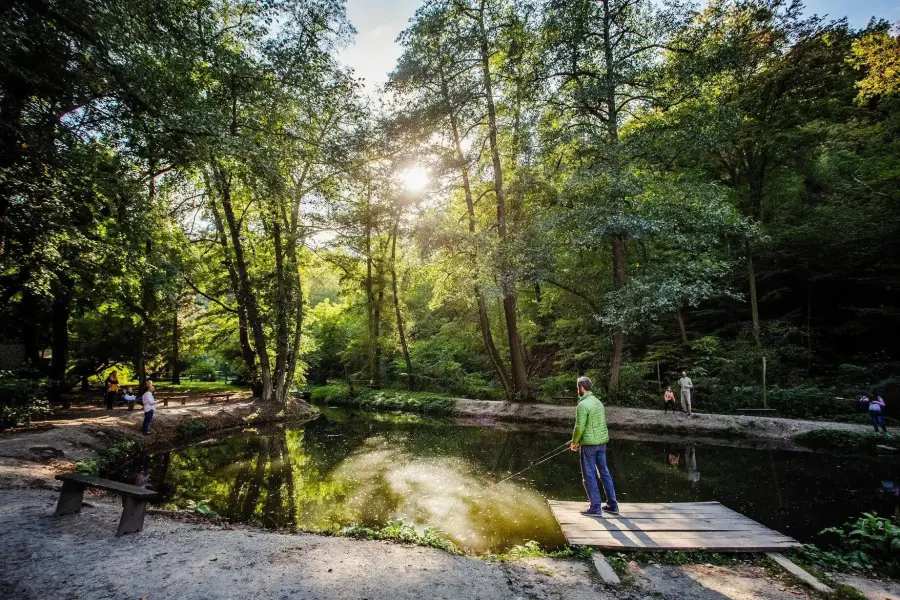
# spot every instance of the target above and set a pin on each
(356, 469)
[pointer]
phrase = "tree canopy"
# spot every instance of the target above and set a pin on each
(622, 188)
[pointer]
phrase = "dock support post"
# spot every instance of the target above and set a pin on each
(604, 569)
(786, 564)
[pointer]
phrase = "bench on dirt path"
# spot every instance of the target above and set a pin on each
(166, 397)
(213, 398)
(134, 499)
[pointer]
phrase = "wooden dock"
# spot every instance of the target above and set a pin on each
(668, 526)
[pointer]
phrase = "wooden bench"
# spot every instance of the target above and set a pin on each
(213, 398)
(166, 399)
(134, 499)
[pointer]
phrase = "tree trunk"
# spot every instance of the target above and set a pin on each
(377, 325)
(246, 296)
(176, 371)
(620, 273)
(484, 322)
(61, 309)
(510, 309)
(680, 314)
(370, 294)
(754, 302)
(247, 352)
(400, 329)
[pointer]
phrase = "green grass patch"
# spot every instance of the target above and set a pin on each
(837, 439)
(399, 531)
(532, 549)
(386, 400)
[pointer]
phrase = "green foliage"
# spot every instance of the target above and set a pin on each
(192, 428)
(369, 399)
(21, 399)
(870, 543)
(839, 440)
(399, 531)
(88, 467)
(201, 507)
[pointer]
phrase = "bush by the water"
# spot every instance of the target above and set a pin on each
(839, 440)
(21, 399)
(404, 532)
(868, 543)
(368, 399)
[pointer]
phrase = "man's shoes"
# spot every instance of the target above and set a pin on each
(614, 510)
(592, 513)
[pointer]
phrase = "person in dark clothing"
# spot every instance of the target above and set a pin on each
(112, 389)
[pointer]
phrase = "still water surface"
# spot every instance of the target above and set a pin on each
(371, 469)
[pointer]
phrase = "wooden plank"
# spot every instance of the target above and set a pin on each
(676, 526)
(799, 573)
(662, 525)
(106, 484)
(697, 537)
(604, 569)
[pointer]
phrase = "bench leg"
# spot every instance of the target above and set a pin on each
(182, 401)
(70, 499)
(165, 401)
(132, 515)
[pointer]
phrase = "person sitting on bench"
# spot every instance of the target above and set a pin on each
(129, 398)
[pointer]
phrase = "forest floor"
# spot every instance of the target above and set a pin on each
(654, 421)
(181, 556)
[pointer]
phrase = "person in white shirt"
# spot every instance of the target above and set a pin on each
(686, 386)
(149, 406)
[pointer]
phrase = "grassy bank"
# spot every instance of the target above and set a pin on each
(849, 441)
(339, 394)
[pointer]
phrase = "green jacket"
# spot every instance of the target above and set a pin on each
(590, 422)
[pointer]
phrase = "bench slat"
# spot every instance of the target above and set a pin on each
(105, 484)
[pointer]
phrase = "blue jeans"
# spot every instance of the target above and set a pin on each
(148, 416)
(593, 459)
(877, 420)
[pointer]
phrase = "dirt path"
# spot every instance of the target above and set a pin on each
(79, 557)
(653, 421)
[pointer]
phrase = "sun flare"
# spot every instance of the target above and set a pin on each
(414, 179)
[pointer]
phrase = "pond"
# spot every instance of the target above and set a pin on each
(370, 469)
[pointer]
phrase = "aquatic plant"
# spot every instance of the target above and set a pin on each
(399, 531)
(868, 543)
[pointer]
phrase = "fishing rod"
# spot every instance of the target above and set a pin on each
(541, 459)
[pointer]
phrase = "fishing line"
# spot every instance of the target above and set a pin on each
(541, 459)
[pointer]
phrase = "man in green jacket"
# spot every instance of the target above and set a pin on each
(590, 437)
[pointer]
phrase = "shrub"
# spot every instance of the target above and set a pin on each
(868, 543)
(21, 399)
(404, 532)
(367, 399)
(838, 440)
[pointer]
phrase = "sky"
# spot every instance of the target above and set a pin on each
(379, 22)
